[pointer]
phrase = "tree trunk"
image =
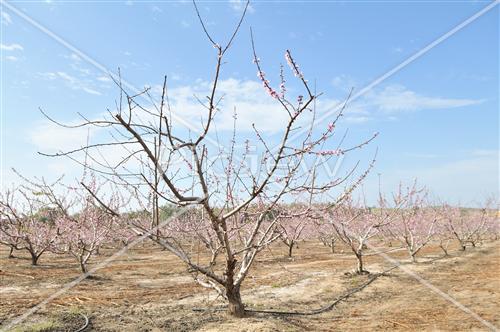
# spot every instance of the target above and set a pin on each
(413, 257)
(333, 246)
(443, 248)
(360, 269)
(235, 306)
(83, 267)
(462, 246)
(34, 259)
(10, 252)
(290, 249)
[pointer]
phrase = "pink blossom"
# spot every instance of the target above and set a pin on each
(293, 65)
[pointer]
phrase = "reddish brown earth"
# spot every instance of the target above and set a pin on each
(149, 290)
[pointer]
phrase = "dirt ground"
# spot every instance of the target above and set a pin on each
(149, 290)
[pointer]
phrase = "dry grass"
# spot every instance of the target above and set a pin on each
(149, 290)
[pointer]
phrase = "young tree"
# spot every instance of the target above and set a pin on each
(219, 191)
(416, 224)
(327, 234)
(467, 226)
(84, 232)
(28, 221)
(354, 224)
(294, 224)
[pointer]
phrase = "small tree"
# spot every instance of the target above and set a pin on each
(354, 224)
(416, 223)
(28, 221)
(84, 232)
(327, 234)
(294, 224)
(467, 226)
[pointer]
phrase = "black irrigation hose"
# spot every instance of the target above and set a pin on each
(84, 327)
(313, 312)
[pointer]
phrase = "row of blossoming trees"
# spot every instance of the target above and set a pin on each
(233, 194)
(36, 219)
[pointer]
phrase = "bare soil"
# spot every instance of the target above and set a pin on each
(148, 289)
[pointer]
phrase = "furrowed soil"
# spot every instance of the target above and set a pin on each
(148, 289)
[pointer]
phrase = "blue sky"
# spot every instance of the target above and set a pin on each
(437, 117)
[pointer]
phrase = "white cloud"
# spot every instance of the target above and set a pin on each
(73, 57)
(344, 82)
(71, 81)
(11, 47)
(91, 91)
(239, 5)
(103, 78)
(248, 98)
(421, 155)
(11, 58)
(175, 77)
(6, 19)
(485, 153)
(49, 137)
(397, 98)
(357, 119)
(156, 9)
(185, 24)
(254, 106)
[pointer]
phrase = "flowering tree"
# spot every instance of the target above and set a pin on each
(467, 226)
(84, 232)
(416, 224)
(355, 223)
(295, 224)
(8, 233)
(327, 234)
(224, 201)
(27, 219)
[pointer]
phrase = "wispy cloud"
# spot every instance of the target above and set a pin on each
(156, 10)
(397, 98)
(397, 49)
(70, 81)
(11, 47)
(421, 155)
(246, 97)
(103, 78)
(11, 58)
(344, 82)
(6, 19)
(357, 119)
(254, 106)
(485, 153)
(393, 99)
(239, 5)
